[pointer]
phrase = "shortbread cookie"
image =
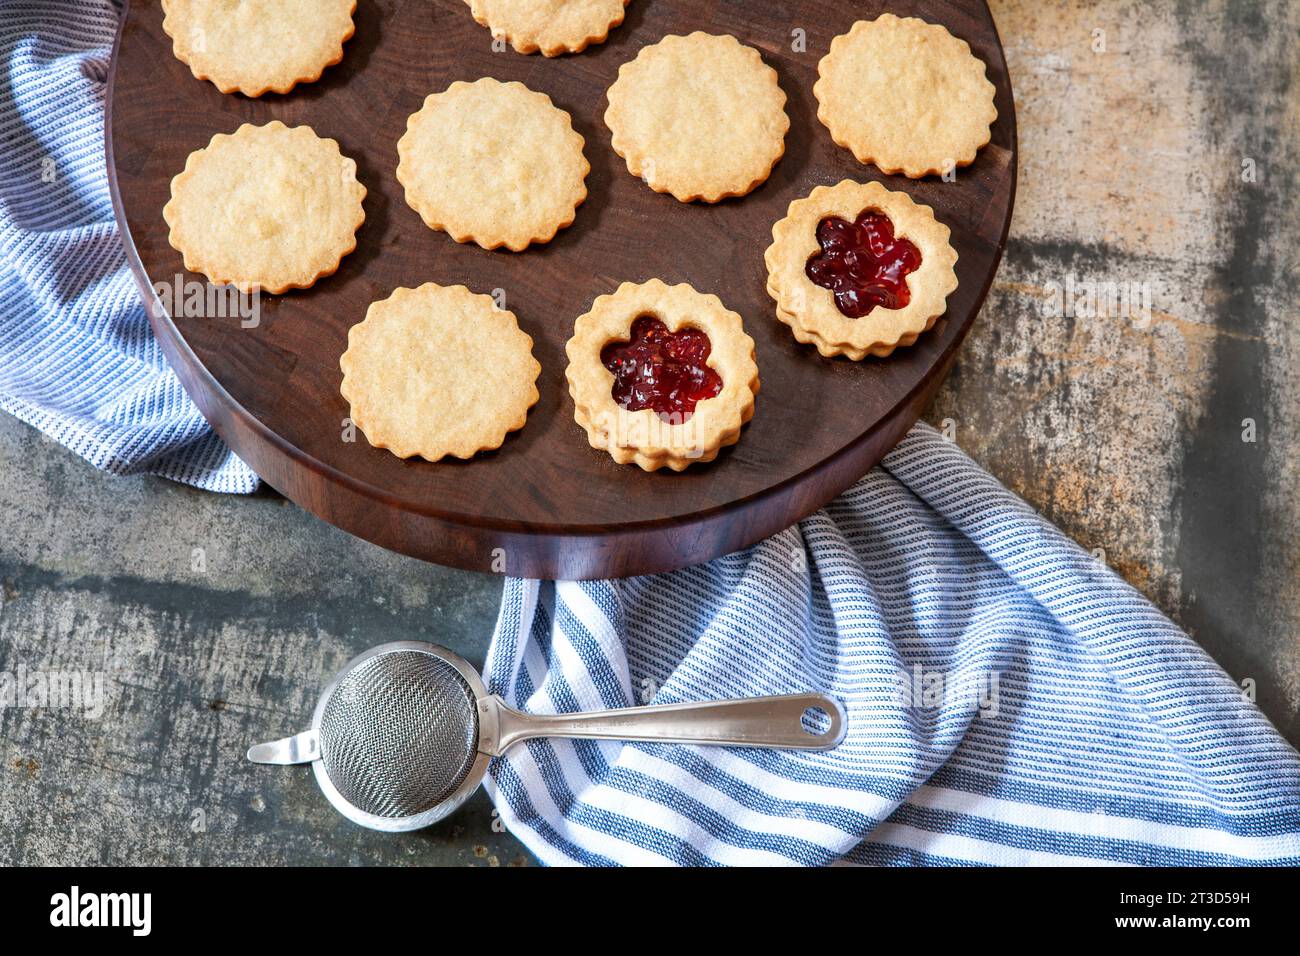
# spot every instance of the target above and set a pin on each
(661, 375)
(438, 371)
(550, 27)
(493, 163)
(858, 270)
(905, 95)
(266, 207)
(699, 116)
(258, 45)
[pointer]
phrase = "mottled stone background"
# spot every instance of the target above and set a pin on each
(1138, 147)
(1158, 149)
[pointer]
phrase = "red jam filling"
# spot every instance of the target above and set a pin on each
(863, 263)
(661, 370)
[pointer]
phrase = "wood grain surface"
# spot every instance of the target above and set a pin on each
(546, 505)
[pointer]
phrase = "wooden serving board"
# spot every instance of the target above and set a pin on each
(546, 504)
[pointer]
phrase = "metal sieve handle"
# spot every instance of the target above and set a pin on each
(300, 748)
(754, 722)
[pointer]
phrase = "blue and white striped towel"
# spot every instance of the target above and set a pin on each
(1010, 700)
(77, 357)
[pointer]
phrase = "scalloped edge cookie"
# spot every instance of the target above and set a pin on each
(810, 310)
(231, 71)
(640, 437)
(199, 214)
(441, 164)
(905, 96)
(660, 90)
(438, 371)
(529, 27)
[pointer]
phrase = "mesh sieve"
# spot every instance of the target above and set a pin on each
(399, 733)
(403, 735)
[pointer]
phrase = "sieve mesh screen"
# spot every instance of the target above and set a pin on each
(399, 733)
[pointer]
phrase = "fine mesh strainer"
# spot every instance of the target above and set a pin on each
(403, 735)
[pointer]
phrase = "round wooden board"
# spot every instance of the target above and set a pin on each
(546, 504)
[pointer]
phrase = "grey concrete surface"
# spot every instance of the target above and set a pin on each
(215, 621)
(1159, 143)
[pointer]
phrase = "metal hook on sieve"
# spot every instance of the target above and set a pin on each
(403, 735)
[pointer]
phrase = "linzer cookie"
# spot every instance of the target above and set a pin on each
(438, 371)
(493, 163)
(699, 116)
(661, 375)
(858, 270)
(906, 96)
(267, 207)
(551, 27)
(256, 46)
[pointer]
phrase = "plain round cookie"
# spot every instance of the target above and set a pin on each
(551, 27)
(906, 96)
(256, 46)
(698, 116)
(493, 163)
(266, 207)
(438, 371)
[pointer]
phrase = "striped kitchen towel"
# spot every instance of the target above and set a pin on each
(77, 357)
(1010, 700)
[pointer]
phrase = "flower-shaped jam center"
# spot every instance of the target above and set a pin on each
(661, 370)
(863, 263)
